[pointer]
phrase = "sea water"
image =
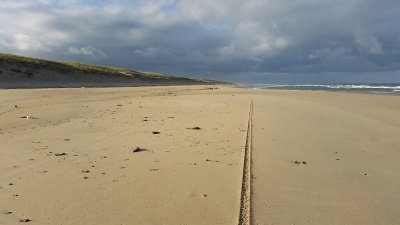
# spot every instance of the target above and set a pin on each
(391, 88)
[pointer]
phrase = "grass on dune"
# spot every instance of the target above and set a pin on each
(78, 67)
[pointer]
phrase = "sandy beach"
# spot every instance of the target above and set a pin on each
(174, 155)
(326, 158)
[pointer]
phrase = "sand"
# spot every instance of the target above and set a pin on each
(351, 148)
(73, 161)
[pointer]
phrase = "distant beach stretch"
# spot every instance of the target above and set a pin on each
(176, 155)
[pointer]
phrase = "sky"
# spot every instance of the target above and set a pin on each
(252, 41)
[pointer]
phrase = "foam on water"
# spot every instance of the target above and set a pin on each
(366, 88)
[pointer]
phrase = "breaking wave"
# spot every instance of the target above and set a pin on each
(370, 88)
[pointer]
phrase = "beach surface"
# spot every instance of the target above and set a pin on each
(326, 158)
(174, 155)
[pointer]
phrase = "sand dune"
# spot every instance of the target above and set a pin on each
(74, 160)
(27, 72)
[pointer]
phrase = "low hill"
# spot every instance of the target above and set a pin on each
(26, 72)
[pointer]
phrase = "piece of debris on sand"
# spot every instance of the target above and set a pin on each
(299, 163)
(138, 149)
(194, 128)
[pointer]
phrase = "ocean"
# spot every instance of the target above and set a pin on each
(390, 88)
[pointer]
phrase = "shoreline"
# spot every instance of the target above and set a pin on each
(347, 88)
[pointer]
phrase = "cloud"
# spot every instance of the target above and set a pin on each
(147, 52)
(23, 42)
(224, 37)
(86, 51)
(369, 44)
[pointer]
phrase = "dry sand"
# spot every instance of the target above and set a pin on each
(184, 176)
(73, 162)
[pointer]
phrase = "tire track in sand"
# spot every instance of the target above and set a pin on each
(245, 213)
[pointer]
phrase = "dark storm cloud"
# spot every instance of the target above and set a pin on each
(257, 39)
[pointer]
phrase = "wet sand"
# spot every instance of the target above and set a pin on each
(326, 158)
(174, 155)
